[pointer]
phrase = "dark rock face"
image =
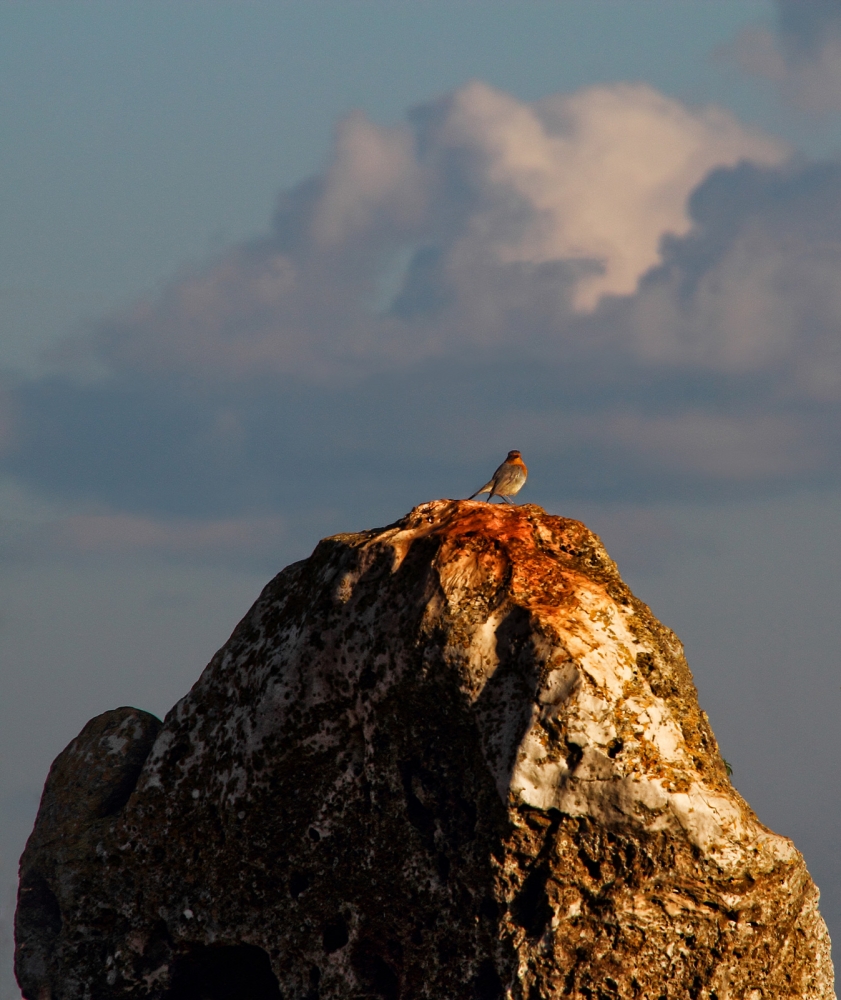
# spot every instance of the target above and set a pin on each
(88, 786)
(454, 758)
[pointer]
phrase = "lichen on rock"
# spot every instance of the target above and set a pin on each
(451, 758)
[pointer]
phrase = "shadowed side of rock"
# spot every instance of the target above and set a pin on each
(89, 782)
(451, 758)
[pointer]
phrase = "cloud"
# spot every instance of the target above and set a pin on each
(7, 415)
(722, 447)
(597, 177)
(641, 296)
(753, 290)
(802, 56)
(483, 201)
(94, 534)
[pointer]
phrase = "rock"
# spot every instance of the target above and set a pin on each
(454, 758)
(88, 785)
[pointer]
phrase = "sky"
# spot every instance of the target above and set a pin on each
(269, 271)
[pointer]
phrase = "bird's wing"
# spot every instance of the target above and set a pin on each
(485, 489)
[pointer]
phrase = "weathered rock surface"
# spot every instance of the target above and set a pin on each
(452, 758)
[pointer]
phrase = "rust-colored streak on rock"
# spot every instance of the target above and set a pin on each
(450, 758)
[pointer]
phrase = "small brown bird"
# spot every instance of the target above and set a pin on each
(508, 479)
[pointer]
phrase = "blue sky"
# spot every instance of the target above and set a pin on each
(143, 136)
(272, 271)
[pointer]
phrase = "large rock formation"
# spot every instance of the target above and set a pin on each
(452, 758)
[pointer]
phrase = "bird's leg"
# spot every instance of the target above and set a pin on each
(507, 499)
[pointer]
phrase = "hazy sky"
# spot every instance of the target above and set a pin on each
(275, 270)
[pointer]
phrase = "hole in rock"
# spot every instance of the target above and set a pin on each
(298, 882)
(419, 816)
(335, 934)
(531, 908)
(574, 755)
(443, 866)
(223, 972)
(159, 946)
(591, 864)
(38, 910)
(121, 792)
(375, 974)
(367, 679)
(448, 949)
(487, 985)
(179, 752)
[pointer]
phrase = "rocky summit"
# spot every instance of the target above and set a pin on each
(454, 758)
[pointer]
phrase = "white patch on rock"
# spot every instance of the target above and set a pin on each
(115, 743)
(481, 654)
(594, 684)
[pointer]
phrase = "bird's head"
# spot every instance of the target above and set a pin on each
(512, 455)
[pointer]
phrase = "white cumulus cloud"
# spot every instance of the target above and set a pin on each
(496, 208)
(598, 176)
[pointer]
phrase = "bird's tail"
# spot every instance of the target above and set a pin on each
(485, 489)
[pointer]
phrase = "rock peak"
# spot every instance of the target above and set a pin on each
(453, 757)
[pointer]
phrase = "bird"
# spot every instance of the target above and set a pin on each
(508, 479)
